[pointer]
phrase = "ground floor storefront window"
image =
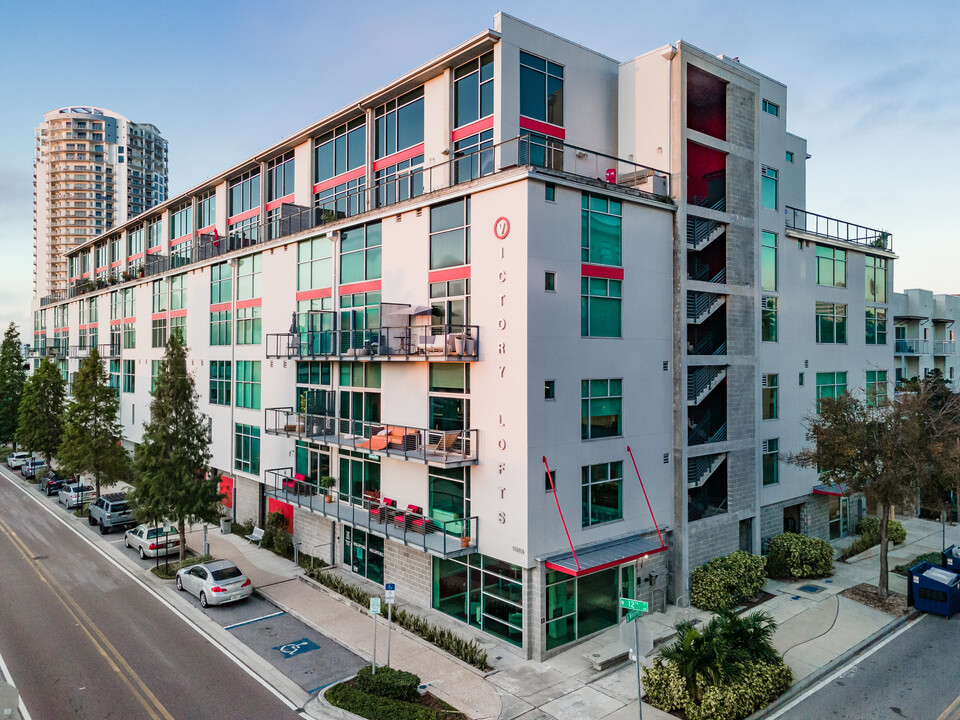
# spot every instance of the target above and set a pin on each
(580, 606)
(363, 554)
(482, 591)
(839, 517)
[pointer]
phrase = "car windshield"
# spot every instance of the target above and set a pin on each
(155, 533)
(227, 573)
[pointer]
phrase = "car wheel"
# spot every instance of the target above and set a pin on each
(126, 541)
(143, 556)
(104, 529)
(203, 600)
(179, 581)
(93, 521)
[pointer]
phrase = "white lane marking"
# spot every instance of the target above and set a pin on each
(203, 633)
(248, 622)
(846, 668)
(9, 678)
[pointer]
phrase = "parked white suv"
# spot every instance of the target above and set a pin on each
(15, 460)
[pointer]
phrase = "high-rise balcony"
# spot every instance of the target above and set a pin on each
(944, 347)
(438, 448)
(911, 346)
(454, 343)
(440, 534)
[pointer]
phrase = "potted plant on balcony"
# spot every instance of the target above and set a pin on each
(327, 483)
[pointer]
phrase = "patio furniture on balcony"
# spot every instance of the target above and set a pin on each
(405, 519)
(383, 512)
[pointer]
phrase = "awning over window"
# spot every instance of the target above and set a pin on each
(603, 555)
(835, 490)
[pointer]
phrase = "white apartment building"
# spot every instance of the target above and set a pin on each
(93, 170)
(522, 252)
(924, 326)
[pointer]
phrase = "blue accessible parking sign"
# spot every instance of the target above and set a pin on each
(297, 648)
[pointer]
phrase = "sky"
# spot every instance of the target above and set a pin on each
(874, 87)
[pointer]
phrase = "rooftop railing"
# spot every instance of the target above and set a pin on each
(833, 229)
(457, 343)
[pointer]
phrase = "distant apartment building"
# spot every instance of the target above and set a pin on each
(94, 169)
(521, 255)
(924, 340)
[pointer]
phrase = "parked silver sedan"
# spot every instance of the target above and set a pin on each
(74, 494)
(152, 541)
(215, 583)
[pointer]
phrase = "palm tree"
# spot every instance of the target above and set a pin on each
(704, 658)
(753, 633)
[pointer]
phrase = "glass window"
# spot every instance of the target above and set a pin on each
(178, 292)
(541, 89)
(601, 404)
(830, 385)
(549, 389)
(248, 384)
(473, 156)
(244, 192)
(768, 188)
(876, 279)
(789, 156)
(550, 281)
(206, 209)
(360, 253)
(181, 222)
(399, 124)
(248, 326)
(600, 230)
(129, 336)
(876, 326)
(450, 377)
(153, 234)
(450, 234)
(768, 260)
(397, 182)
(602, 493)
(129, 376)
(314, 263)
(280, 177)
(768, 319)
(246, 449)
(220, 382)
(155, 366)
(340, 150)
(550, 192)
(831, 266)
(135, 241)
(770, 108)
(221, 283)
(249, 274)
(771, 461)
(473, 91)
(158, 333)
(159, 288)
(769, 403)
(600, 307)
(220, 327)
(876, 387)
(831, 323)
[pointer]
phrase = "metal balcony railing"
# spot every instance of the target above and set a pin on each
(457, 343)
(828, 227)
(440, 448)
(109, 350)
(911, 346)
(435, 534)
(944, 347)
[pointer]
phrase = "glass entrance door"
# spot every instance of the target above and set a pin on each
(839, 517)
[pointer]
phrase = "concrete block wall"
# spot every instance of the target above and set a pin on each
(741, 116)
(534, 611)
(712, 537)
(412, 572)
(816, 517)
(656, 595)
(742, 403)
(741, 253)
(741, 186)
(248, 500)
(315, 533)
(741, 481)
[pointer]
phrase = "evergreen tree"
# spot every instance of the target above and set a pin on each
(40, 418)
(13, 377)
(172, 460)
(92, 432)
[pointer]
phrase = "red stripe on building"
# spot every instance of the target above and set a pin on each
(542, 128)
(181, 239)
(178, 313)
(220, 307)
(314, 294)
(102, 269)
(130, 319)
(243, 216)
(280, 201)
(457, 273)
(159, 316)
(398, 157)
(340, 179)
(86, 275)
(252, 302)
(135, 257)
(116, 322)
(116, 264)
(472, 129)
(154, 251)
(601, 271)
(368, 286)
(207, 229)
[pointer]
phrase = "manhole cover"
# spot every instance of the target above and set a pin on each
(811, 588)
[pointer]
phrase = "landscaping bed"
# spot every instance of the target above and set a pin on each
(934, 557)
(389, 695)
(894, 604)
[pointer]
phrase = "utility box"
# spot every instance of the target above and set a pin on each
(934, 589)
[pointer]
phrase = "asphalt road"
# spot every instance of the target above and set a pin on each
(82, 639)
(915, 675)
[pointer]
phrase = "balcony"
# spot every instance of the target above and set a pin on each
(109, 350)
(453, 343)
(438, 448)
(809, 223)
(911, 346)
(443, 538)
(943, 347)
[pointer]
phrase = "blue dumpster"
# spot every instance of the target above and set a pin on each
(950, 558)
(934, 589)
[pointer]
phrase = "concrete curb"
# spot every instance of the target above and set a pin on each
(816, 676)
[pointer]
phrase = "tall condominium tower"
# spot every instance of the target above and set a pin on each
(94, 169)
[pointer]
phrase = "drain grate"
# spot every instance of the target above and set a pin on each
(812, 589)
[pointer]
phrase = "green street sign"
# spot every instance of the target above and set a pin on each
(632, 615)
(631, 604)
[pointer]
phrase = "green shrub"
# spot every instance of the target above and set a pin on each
(4, 452)
(352, 699)
(664, 686)
(934, 557)
(41, 474)
(869, 528)
(388, 683)
(755, 688)
(242, 528)
(727, 581)
(798, 556)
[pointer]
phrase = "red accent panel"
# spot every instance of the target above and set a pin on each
(116, 322)
(598, 568)
(457, 273)
(601, 271)
(159, 316)
(85, 275)
(280, 201)
(116, 264)
(368, 286)
(314, 294)
(243, 216)
(221, 307)
(340, 179)
(472, 129)
(207, 229)
(285, 509)
(398, 157)
(178, 313)
(135, 257)
(543, 128)
(252, 302)
(226, 491)
(130, 319)
(181, 239)
(101, 269)
(154, 251)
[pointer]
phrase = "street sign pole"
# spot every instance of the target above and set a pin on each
(636, 608)
(389, 625)
(636, 637)
(374, 610)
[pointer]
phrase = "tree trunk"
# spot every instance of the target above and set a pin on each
(883, 585)
(956, 499)
(181, 528)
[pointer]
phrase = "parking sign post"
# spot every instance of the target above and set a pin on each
(374, 610)
(636, 608)
(390, 591)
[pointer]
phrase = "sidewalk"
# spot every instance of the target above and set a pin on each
(816, 629)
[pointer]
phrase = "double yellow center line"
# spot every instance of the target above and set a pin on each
(151, 705)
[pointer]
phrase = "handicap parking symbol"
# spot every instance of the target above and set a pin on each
(297, 648)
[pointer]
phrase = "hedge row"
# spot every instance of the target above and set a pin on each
(869, 530)
(792, 556)
(355, 700)
(727, 581)
(388, 683)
